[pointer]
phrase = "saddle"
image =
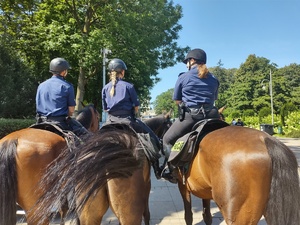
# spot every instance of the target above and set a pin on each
(71, 138)
(186, 147)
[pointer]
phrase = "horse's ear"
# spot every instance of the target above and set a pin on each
(168, 115)
(222, 109)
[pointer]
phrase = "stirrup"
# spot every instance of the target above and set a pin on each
(169, 177)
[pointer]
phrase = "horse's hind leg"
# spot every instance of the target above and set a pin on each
(206, 212)
(95, 208)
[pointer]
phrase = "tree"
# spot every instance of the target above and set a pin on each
(225, 77)
(246, 91)
(290, 79)
(143, 33)
(164, 102)
(17, 92)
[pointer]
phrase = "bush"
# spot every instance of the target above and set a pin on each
(8, 126)
(293, 134)
(248, 112)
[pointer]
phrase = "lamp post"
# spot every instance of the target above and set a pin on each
(104, 52)
(271, 94)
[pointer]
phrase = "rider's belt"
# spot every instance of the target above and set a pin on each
(51, 117)
(55, 118)
(121, 113)
(194, 110)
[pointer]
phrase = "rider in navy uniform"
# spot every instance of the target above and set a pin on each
(55, 99)
(119, 97)
(120, 101)
(195, 91)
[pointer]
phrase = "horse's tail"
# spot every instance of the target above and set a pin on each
(8, 182)
(284, 200)
(106, 155)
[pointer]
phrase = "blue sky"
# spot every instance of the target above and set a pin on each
(231, 30)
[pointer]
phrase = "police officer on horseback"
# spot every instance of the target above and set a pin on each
(119, 98)
(55, 99)
(195, 93)
(120, 101)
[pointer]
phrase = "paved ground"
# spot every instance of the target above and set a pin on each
(166, 205)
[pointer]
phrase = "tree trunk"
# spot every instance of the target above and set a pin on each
(80, 89)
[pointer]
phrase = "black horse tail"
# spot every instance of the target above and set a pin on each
(8, 182)
(109, 154)
(284, 200)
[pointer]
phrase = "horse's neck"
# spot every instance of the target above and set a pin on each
(93, 120)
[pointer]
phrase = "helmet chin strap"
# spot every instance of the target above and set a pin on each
(191, 64)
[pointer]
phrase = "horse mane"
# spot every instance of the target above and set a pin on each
(84, 116)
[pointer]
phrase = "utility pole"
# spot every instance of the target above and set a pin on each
(104, 52)
(271, 95)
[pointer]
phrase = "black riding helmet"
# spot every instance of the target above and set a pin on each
(116, 65)
(198, 54)
(58, 65)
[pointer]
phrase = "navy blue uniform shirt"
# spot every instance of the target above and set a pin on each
(194, 91)
(124, 99)
(54, 96)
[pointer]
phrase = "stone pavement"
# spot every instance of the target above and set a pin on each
(166, 206)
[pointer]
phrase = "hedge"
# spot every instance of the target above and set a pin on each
(7, 126)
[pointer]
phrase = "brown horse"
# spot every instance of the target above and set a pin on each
(248, 173)
(112, 170)
(24, 156)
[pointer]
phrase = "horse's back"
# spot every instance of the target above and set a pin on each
(36, 143)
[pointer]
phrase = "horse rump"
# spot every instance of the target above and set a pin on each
(85, 169)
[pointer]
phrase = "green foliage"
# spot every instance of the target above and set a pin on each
(245, 97)
(294, 134)
(248, 112)
(235, 114)
(143, 33)
(292, 126)
(17, 92)
(7, 126)
(164, 103)
(225, 77)
(264, 112)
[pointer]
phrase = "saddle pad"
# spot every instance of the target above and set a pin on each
(184, 149)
